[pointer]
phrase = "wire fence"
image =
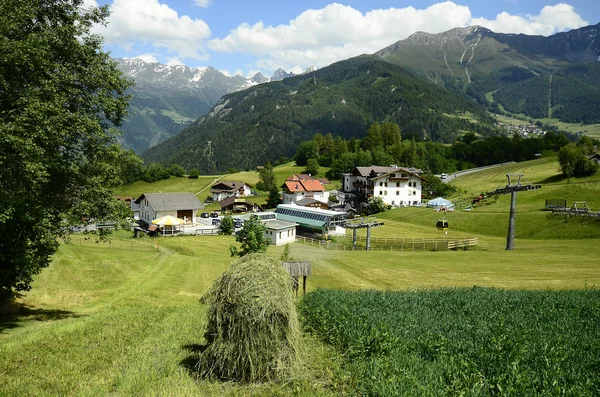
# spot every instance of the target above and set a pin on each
(344, 243)
(140, 244)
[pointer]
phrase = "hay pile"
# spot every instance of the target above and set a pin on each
(252, 331)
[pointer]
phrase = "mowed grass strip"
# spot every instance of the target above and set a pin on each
(105, 320)
(462, 341)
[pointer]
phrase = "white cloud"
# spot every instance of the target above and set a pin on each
(336, 32)
(149, 21)
(175, 62)
(149, 58)
(202, 3)
(550, 20)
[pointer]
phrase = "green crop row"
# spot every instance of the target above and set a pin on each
(473, 342)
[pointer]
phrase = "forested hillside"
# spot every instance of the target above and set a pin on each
(262, 123)
(554, 76)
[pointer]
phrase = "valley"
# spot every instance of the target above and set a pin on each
(126, 316)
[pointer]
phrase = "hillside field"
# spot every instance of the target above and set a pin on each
(201, 186)
(125, 318)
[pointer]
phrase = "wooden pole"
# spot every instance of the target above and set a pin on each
(303, 285)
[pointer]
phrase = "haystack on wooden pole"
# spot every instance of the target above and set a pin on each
(252, 329)
(297, 269)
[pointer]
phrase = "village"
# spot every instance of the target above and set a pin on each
(307, 208)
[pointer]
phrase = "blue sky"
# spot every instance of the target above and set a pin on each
(242, 37)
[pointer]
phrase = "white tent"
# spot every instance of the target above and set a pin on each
(440, 202)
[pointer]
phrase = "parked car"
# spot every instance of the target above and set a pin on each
(204, 215)
(237, 223)
(214, 215)
(444, 176)
(216, 221)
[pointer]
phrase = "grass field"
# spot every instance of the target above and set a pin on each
(462, 341)
(201, 186)
(125, 319)
(174, 184)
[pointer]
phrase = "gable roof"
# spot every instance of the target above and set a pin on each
(376, 170)
(304, 186)
(226, 186)
(171, 201)
(396, 171)
(233, 200)
(308, 201)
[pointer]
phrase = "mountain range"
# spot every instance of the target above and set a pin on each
(435, 86)
(541, 77)
(166, 98)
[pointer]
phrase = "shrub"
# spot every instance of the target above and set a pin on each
(252, 330)
(194, 174)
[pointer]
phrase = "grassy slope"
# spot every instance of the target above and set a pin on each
(127, 320)
(491, 219)
(201, 186)
(171, 185)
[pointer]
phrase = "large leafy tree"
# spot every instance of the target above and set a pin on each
(60, 97)
(252, 238)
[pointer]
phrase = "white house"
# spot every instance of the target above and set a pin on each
(180, 205)
(280, 232)
(397, 186)
(222, 190)
(296, 189)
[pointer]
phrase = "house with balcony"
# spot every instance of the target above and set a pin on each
(397, 186)
(223, 189)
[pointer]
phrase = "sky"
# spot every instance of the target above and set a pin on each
(244, 37)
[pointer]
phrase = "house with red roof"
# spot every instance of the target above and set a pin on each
(301, 186)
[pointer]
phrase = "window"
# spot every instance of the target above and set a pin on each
(385, 192)
(385, 184)
(397, 193)
(397, 184)
(380, 183)
(380, 193)
(279, 234)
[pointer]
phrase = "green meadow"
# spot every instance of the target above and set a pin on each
(124, 317)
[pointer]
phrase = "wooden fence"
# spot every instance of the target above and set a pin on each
(392, 243)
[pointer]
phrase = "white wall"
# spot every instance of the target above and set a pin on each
(282, 236)
(398, 193)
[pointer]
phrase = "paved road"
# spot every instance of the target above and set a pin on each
(470, 171)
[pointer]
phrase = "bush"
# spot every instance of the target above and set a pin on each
(226, 227)
(252, 331)
(176, 170)
(194, 174)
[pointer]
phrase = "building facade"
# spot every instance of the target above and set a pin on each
(222, 190)
(396, 186)
(180, 205)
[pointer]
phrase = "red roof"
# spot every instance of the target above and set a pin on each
(294, 186)
(313, 186)
(304, 186)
